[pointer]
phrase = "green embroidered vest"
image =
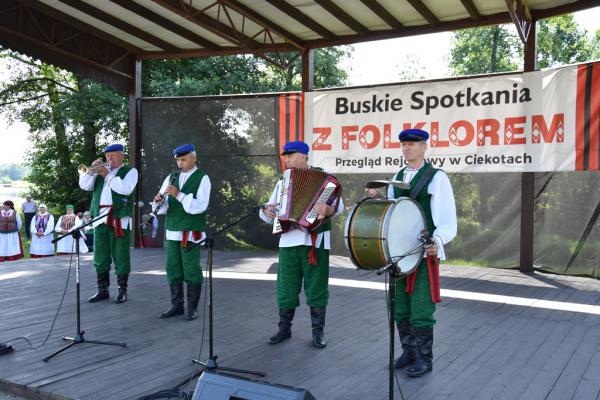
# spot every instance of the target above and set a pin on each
(423, 198)
(177, 218)
(117, 199)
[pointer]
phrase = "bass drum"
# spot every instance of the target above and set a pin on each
(379, 231)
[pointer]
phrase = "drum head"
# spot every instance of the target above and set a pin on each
(405, 226)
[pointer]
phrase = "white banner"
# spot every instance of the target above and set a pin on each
(511, 123)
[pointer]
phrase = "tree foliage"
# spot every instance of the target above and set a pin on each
(68, 119)
(484, 50)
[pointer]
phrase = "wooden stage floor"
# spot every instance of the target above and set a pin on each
(500, 334)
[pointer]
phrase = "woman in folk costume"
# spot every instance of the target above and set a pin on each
(42, 229)
(11, 247)
(65, 224)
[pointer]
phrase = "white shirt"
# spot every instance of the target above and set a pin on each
(29, 207)
(192, 203)
(124, 187)
(298, 236)
(443, 207)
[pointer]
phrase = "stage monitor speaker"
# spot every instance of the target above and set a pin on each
(219, 386)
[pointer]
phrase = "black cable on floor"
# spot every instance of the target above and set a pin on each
(31, 345)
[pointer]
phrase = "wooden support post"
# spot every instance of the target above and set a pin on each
(528, 178)
(308, 82)
(135, 93)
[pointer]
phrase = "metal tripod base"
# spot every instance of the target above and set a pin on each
(80, 339)
(211, 365)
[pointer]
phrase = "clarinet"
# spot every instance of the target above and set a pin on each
(158, 204)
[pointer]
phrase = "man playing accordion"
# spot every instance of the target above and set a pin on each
(297, 262)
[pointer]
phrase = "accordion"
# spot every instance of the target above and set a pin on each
(300, 192)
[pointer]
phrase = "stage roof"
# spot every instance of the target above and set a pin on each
(100, 38)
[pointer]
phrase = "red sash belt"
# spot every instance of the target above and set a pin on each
(433, 267)
(196, 235)
(312, 254)
(114, 222)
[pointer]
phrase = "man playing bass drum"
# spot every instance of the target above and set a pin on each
(295, 247)
(415, 301)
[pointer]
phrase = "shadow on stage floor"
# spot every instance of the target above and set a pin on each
(500, 334)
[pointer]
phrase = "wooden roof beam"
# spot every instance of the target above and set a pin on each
(521, 17)
(564, 9)
(217, 27)
(74, 22)
(166, 23)
(266, 23)
(92, 11)
(299, 16)
(383, 13)
(471, 9)
(425, 12)
(343, 16)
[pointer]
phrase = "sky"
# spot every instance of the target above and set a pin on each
(372, 63)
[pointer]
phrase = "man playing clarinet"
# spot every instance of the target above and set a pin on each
(184, 196)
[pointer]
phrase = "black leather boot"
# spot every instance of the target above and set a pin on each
(317, 317)
(176, 301)
(122, 282)
(424, 363)
(193, 297)
(103, 279)
(409, 344)
(285, 326)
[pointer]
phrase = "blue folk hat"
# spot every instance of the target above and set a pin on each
(114, 147)
(295, 147)
(183, 150)
(413, 135)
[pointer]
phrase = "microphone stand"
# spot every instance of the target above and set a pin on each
(211, 363)
(79, 338)
(394, 274)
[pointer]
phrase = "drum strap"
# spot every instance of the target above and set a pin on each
(419, 186)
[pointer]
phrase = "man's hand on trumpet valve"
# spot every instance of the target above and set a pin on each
(172, 191)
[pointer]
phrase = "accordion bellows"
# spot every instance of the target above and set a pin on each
(301, 190)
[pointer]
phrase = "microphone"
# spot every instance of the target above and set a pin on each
(149, 217)
(134, 203)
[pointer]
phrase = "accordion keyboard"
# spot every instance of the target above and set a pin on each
(327, 191)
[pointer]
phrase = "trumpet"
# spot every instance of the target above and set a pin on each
(89, 170)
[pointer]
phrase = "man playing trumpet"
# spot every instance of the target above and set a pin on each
(187, 195)
(113, 185)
